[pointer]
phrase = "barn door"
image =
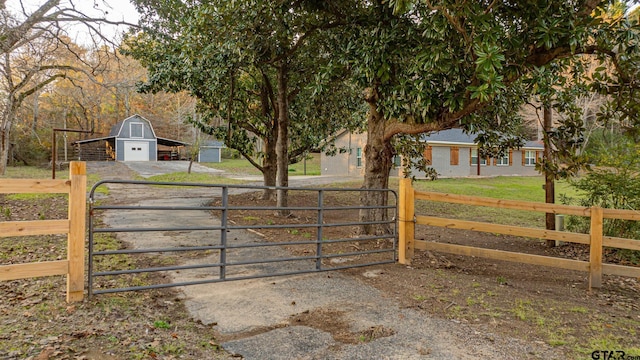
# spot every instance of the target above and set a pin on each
(136, 151)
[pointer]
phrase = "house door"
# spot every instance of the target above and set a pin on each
(136, 151)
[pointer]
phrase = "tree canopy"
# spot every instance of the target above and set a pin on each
(36, 52)
(419, 65)
(253, 66)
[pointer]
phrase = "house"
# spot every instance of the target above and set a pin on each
(349, 163)
(131, 139)
(451, 153)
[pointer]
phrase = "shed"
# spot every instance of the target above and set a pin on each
(210, 151)
(131, 139)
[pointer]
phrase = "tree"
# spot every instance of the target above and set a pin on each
(35, 53)
(434, 65)
(251, 64)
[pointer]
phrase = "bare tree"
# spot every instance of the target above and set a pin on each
(36, 51)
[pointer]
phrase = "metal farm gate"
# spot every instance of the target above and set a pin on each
(189, 234)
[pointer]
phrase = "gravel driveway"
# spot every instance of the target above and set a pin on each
(256, 319)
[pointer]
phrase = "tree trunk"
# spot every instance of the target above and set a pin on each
(269, 169)
(6, 122)
(378, 153)
(549, 185)
(4, 148)
(282, 143)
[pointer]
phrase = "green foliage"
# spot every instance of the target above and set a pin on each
(32, 148)
(613, 184)
(161, 324)
(251, 65)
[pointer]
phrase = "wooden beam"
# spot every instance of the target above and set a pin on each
(406, 226)
(504, 204)
(503, 229)
(621, 214)
(31, 186)
(23, 271)
(621, 243)
(34, 227)
(504, 255)
(621, 270)
(76, 237)
(595, 249)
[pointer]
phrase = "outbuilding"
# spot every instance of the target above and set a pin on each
(132, 139)
(210, 151)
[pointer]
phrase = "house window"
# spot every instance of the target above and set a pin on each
(397, 160)
(359, 157)
(474, 158)
(503, 160)
(529, 158)
(454, 155)
(136, 130)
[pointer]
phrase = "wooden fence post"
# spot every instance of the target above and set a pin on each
(77, 223)
(406, 228)
(595, 251)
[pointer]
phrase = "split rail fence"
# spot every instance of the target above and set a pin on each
(73, 226)
(595, 239)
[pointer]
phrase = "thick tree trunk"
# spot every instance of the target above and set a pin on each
(378, 154)
(269, 170)
(282, 144)
(549, 185)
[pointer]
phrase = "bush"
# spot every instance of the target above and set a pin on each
(614, 184)
(32, 149)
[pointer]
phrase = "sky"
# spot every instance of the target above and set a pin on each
(117, 10)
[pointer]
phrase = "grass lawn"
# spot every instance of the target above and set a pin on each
(200, 178)
(32, 172)
(244, 167)
(527, 188)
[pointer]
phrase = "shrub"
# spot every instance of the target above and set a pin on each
(613, 184)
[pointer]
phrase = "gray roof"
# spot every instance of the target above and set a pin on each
(115, 129)
(212, 143)
(458, 136)
(450, 136)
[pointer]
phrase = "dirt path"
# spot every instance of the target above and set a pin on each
(317, 316)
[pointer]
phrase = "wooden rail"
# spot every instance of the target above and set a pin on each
(595, 239)
(73, 226)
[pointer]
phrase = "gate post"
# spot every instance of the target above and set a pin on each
(406, 228)
(77, 223)
(595, 248)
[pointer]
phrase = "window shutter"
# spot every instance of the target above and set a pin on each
(470, 156)
(510, 157)
(537, 156)
(428, 154)
(523, 157)
(488, 160)
(455, 155)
